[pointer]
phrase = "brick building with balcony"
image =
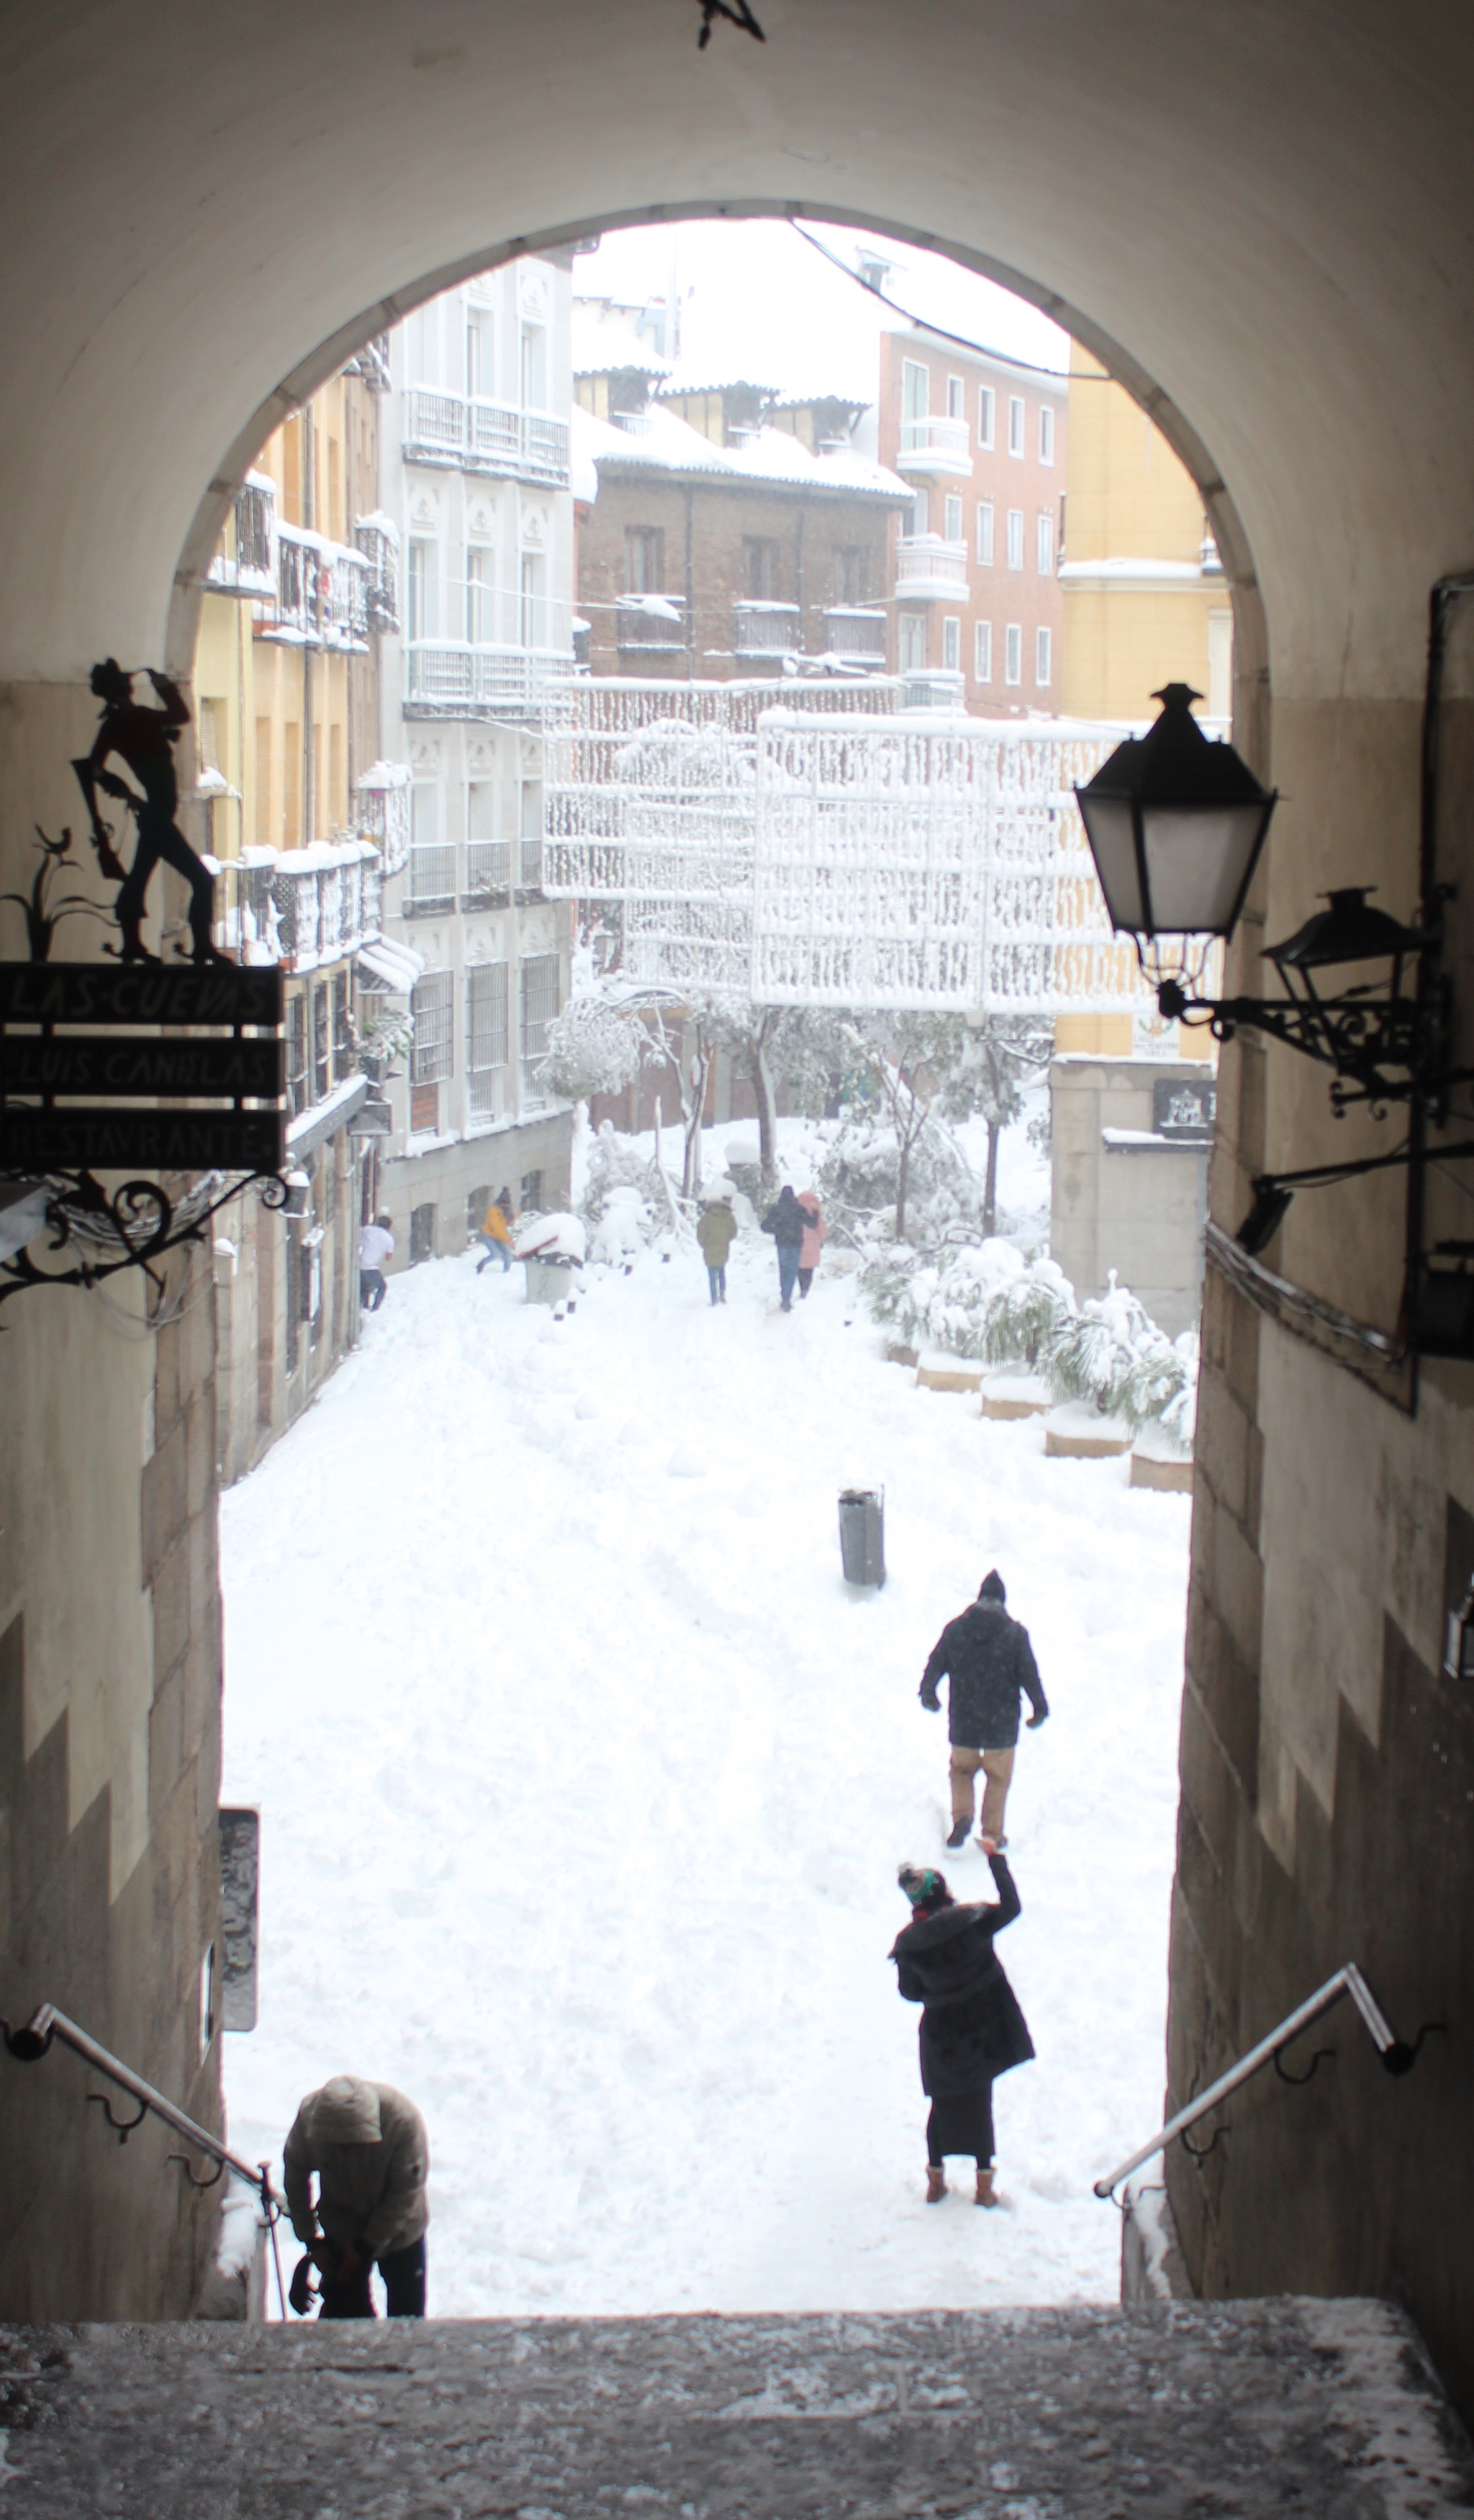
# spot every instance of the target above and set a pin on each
(982, 443)
(475, 477)
(734, 531)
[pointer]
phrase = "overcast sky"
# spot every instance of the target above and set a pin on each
(758, 303)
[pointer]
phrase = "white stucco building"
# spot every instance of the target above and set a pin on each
(474, 479)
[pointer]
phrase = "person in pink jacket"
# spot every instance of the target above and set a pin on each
(816, 1235)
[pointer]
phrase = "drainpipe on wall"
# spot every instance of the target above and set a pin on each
(799, 577)
(690, 589)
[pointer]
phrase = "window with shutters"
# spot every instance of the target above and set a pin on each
(322, 1044)
(539, 1005)
(1042, 658)
(952, 520)
(296, 1053)
(951, 644)
(485, 1035)
(1043, 545)
(1016, 424)
(1046, 435)
(431, 1056)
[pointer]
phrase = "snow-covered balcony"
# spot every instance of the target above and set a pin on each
(488, 874)
(929, 569)
(482, 436)
(246, 917)
(767, 631)
(933, 447)
(321, 599)
(327, 900)
(451, 678)
(383, 812)
(245, 562)
(378, 539)
(856, 636)
(936, 687)
(646, 621)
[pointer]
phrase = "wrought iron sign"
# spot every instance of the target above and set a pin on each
(170, 1068)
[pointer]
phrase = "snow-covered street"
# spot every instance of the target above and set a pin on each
(583, 1782)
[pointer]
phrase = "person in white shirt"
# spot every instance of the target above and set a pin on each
(375, 1244)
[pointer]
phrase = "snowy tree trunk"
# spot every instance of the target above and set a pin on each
(990, 1178)
(765, 1090)
(693, 1111)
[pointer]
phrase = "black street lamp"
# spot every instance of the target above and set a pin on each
(1177, 825)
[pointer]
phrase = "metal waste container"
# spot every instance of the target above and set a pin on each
(863, 1535)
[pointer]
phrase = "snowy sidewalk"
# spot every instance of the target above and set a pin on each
(583, 1783)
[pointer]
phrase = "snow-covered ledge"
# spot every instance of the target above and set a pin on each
(1152, 2267)
(325, 1118)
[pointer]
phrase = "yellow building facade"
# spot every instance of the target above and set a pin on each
(298, 814)
(1144, 603)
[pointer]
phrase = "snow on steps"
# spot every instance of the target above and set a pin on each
(1258, 2409)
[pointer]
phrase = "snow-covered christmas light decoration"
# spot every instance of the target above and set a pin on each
(831, 852)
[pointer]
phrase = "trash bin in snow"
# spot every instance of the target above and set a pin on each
(863, 1535)
(551, 1247)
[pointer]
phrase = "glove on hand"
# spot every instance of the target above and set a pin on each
(1032, 1722)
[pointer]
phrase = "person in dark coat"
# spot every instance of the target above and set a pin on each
(972, 2029)
(786, 1223)
(990, 1662)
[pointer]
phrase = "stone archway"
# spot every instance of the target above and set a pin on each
(202, 213)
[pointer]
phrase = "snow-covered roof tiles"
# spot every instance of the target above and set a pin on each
(672, 446)
(604, 338)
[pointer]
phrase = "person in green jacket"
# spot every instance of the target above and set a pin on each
(716, 1232)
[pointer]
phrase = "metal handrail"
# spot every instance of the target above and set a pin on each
(1396, 2056)
(31, 2042)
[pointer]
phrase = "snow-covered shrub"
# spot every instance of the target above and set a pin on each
(1112, 1353)
(859, 1181)
(1026, 1314)
(985, 1301)
(622, 1180)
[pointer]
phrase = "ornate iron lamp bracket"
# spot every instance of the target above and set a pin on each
(133, 1228)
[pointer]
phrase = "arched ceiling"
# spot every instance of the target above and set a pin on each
(1263, 207)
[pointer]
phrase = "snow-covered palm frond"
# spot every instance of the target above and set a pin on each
(1024, 1319)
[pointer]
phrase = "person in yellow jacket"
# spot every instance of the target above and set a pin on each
(496, 1231)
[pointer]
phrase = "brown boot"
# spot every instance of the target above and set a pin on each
(986, 2193)
(936, 2182)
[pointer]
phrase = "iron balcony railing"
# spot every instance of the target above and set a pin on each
(651, 621)
(484, 436)
(489, 870)
(328, 901)
(857, 635)
(429, 884)
(250, 568)
(321, 594)
(452, 679)
(762, 629)
(1396, 2056)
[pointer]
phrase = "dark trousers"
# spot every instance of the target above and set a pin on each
(788, 1271)
(806, 1280)
(159, 837)
(962, 2122)
(372, 1288)
(403, 2273)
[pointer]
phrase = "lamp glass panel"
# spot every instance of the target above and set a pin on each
(1113, 845)
(1196, 860)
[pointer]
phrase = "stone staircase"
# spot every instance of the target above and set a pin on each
(1324, 2410)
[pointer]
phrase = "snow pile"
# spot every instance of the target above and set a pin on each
(584, 1779)
(627, 1200)
(986, 1301)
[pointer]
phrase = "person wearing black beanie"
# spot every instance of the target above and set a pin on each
(989, 1664)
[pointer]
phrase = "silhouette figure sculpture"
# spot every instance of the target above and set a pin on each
(143, 739)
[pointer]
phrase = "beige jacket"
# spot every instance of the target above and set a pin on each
(371, 2193)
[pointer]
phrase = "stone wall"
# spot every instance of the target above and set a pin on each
(1327, 1767)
